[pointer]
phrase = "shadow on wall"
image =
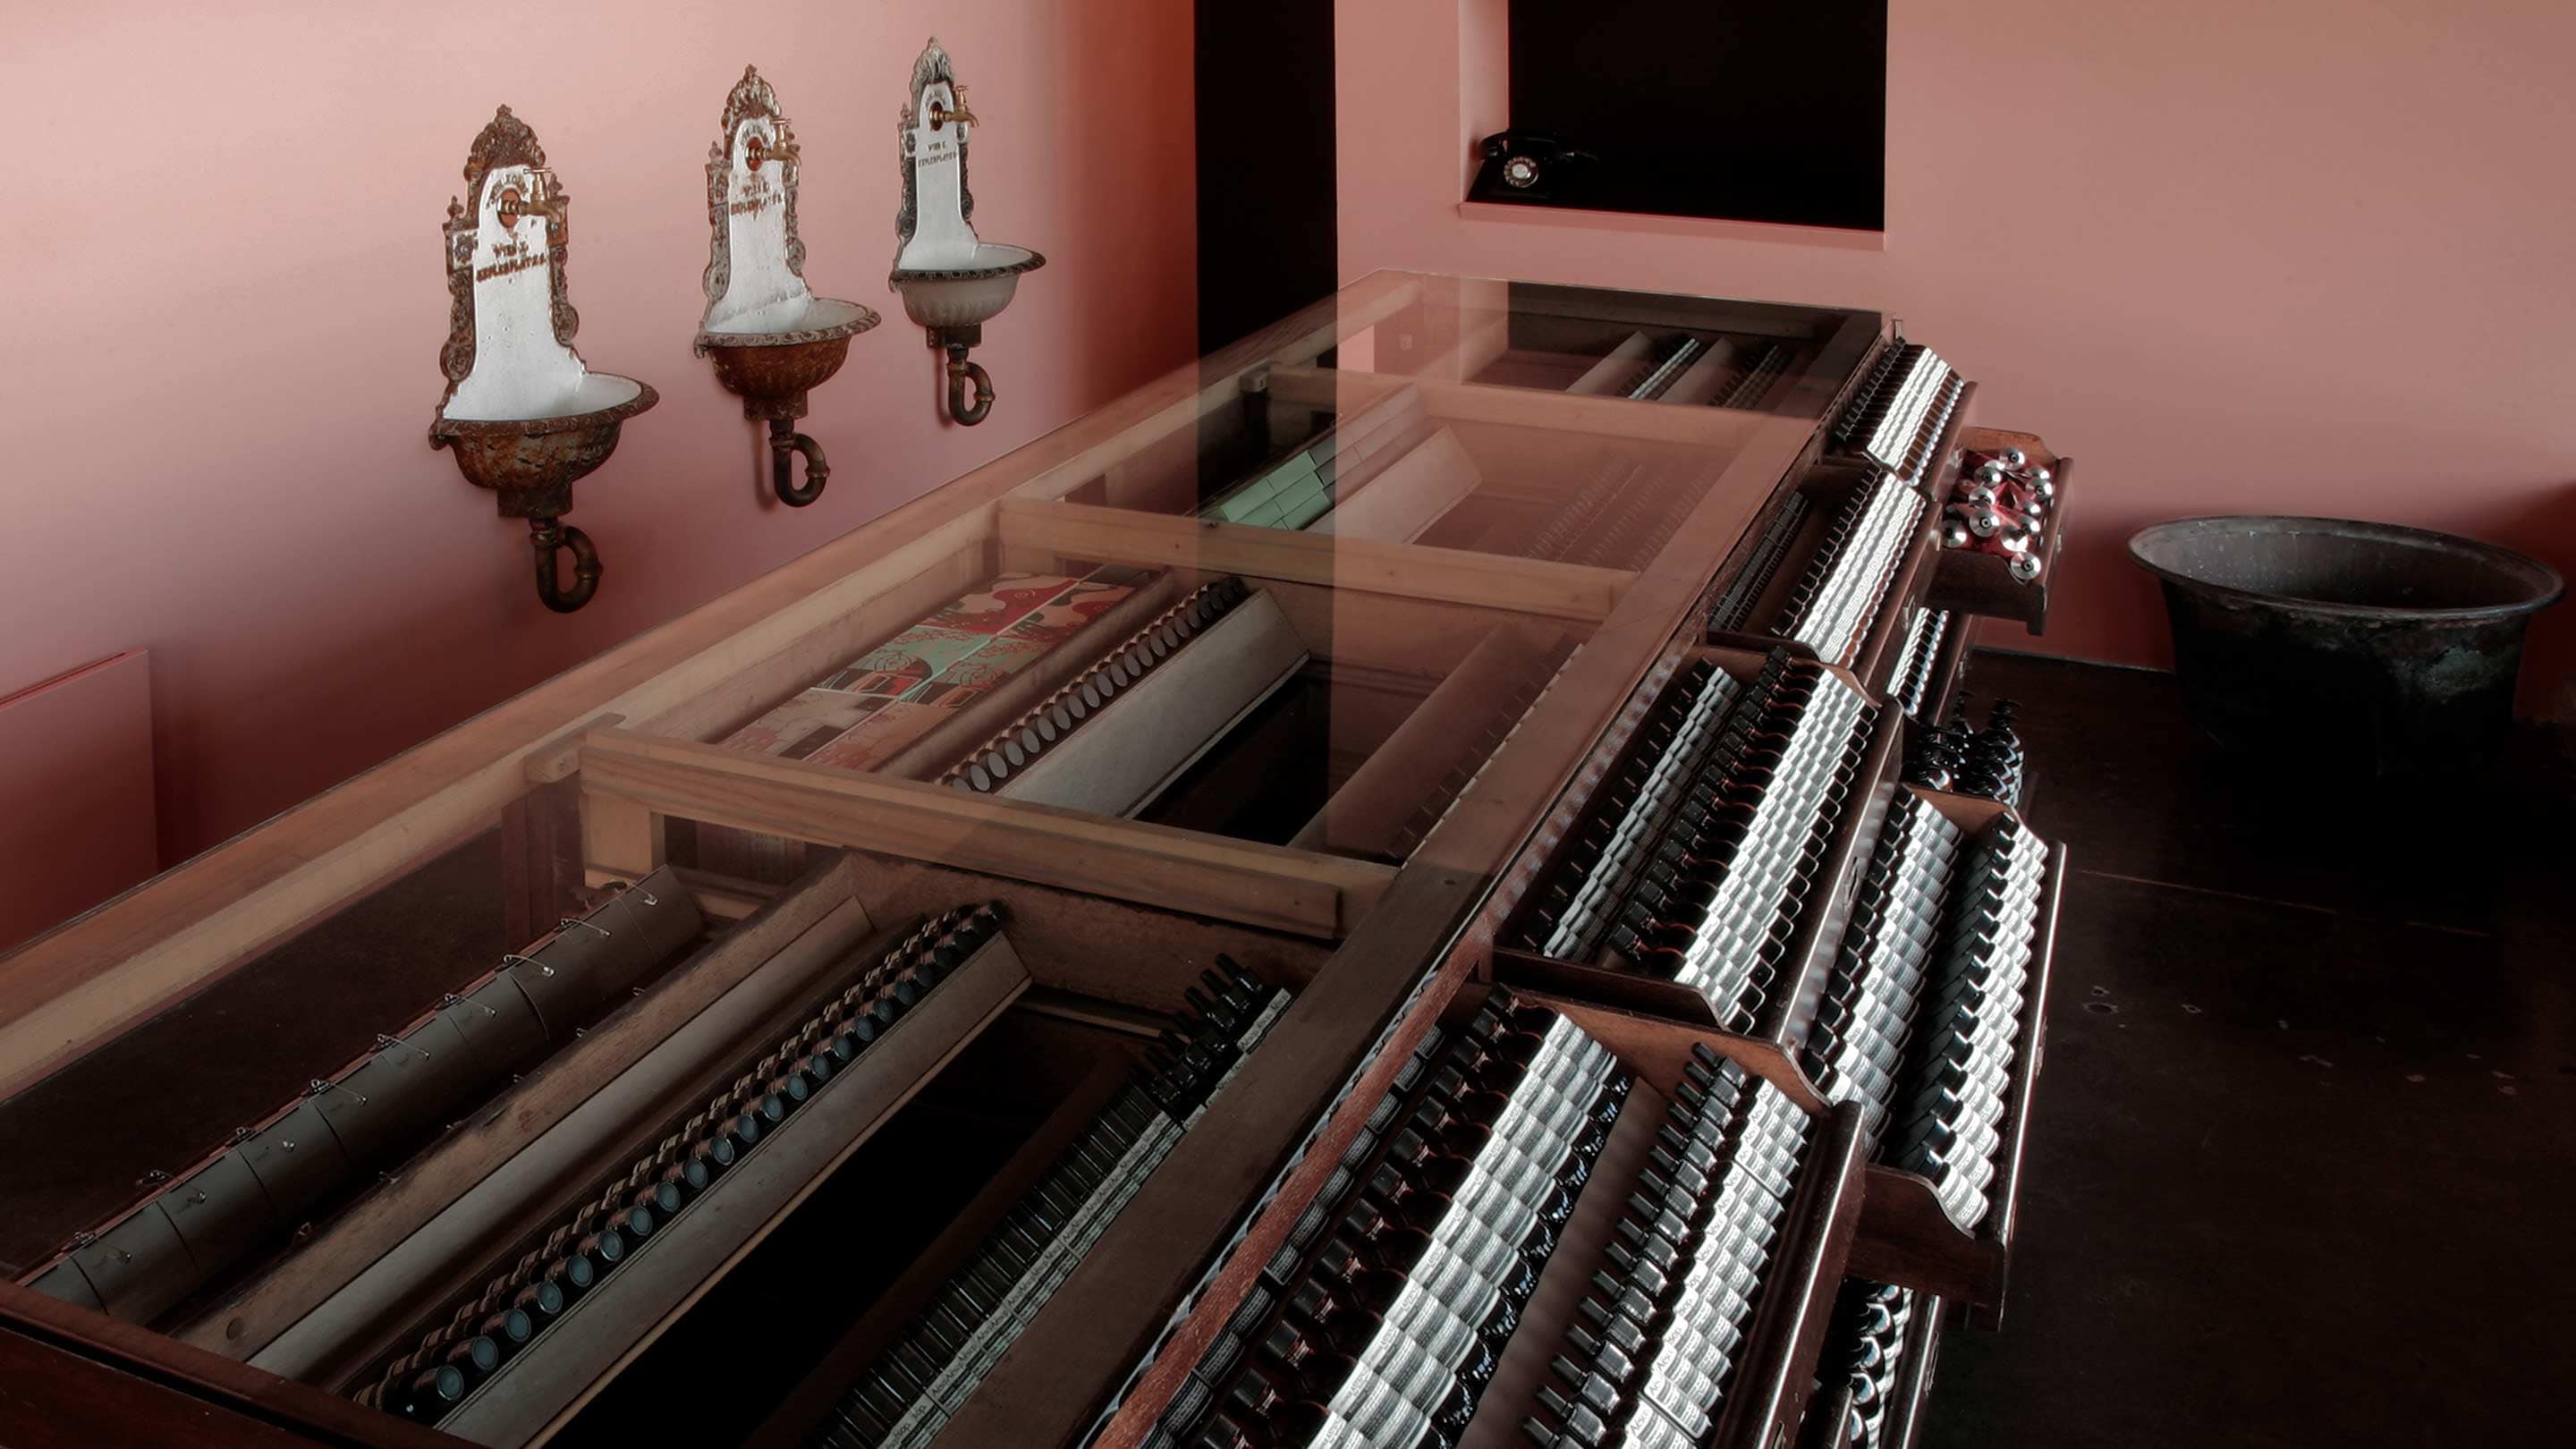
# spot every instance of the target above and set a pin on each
(2545, 528)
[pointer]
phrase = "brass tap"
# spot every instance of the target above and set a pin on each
(940, 115)
(541, 199)
(782, 148)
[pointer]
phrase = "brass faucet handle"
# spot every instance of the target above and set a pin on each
(759, 151)
(540, 199)
(941, 115)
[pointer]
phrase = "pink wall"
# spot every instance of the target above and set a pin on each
(225, 304)
(2301, 256)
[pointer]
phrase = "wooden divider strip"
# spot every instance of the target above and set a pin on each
(1119, 535)
(1261, 885)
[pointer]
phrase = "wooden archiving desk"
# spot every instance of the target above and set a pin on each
(1516, 525)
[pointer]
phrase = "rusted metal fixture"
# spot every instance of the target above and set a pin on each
(952, 282)
(521, 413)
(771, 339)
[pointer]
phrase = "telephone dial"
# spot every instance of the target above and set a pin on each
(1530, 166)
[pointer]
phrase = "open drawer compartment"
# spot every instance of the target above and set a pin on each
(1931, 659)
(1835, 571)
(1621, 833)
(1973, 581)
(963, 1057)
(1898, 1365)
(1911, 1233)
(1620, 1083)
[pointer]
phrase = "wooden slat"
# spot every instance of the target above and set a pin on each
(1609, 376)
(1294, 342)
(1262, 885)
(1530, 586)
(293, 1413)
(53, 1399)
(1618, 417)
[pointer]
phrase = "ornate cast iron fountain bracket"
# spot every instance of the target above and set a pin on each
(552, 537)
(964, 376)
(772, 366)
(526, 444)
(784, 444)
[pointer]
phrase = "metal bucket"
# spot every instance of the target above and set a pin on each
(2338, 645)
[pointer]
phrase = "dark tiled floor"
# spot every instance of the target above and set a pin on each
(2303, 1153)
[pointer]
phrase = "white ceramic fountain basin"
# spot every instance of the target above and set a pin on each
(800, 316)
(970, 284)
(596, 392)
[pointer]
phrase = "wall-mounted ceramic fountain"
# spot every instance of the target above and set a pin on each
(523, 415)
(952, 282)
(771, 339)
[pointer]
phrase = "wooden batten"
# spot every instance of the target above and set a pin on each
(164, 1392)
(1107, 950)
(1658, 1046)
(1618, 417)
(1787, 1335)
(1479, 345)
(1424, 638)
(1259, 885)
(1529, 586)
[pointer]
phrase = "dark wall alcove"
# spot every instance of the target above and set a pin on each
(1758, 110)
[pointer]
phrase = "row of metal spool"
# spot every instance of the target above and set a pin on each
(311, 1153)
(623, 1215)
(1384, 1317)
(1923, 1008)
(1702, 852)
(906, 1395)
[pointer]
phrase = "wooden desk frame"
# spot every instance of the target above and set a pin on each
(585, 733)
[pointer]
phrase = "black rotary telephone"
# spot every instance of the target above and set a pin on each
(1528, 166)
